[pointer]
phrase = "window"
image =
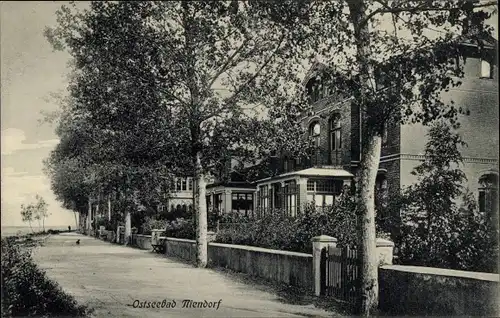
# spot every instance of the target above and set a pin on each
(290, 198)
(485, 69)
(381, 190)
(314, 90)
(488, 194)
(178, 184)
(242, 203)
(314, 133)
(264, 198)
(190, 184)
(384, 133)
(335, 139)
(322, 192)
(218, 202)
(183, 185)
(209, 202)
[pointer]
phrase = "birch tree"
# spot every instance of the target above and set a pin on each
(393, 59)
(204, 69)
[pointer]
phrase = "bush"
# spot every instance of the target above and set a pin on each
(277, 231)
(436, 230)
(151, 224)
(26, 290)
(180, 228)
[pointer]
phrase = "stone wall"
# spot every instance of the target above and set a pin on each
(290, 268)
(416, 290)
(278, 266)
(142, 241)
(181, 248)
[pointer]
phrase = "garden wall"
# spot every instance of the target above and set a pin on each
(416, 290)
(279, 266)
(142, 241)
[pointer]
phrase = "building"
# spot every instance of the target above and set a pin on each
(180, 197)
(334, 126)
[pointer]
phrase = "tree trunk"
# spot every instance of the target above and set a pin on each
(89, 216)
(371, 143)
(31, 227)
(365, 202)
(76, 219)
(201, 209)
(128, 227)
(109, 207)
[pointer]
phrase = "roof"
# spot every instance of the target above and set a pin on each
(314, 172)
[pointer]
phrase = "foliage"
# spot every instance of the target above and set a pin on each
(184, 82)
(277, 231)
(437, 231)
(179, 228)
(151, 224)
(26, 289)
(384, 56)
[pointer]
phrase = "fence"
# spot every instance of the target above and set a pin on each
(339, 270)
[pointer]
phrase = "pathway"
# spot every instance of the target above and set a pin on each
(110, 278)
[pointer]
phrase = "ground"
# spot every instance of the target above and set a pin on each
(110, 278)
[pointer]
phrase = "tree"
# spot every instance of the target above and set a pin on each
(190, 70)
(40, 210)
(430, 210)
(441, 225)
(35, 211)
(27, 214)
(88, 165)
(392, 58)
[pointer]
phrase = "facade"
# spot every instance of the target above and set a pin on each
(181, 197)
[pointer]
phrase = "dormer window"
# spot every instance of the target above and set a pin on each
(485, 69)
(314, 90)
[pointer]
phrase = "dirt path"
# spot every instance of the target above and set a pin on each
(111, 278)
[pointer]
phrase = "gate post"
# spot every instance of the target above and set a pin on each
(319, 243)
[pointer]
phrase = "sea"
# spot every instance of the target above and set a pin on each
(20, 230)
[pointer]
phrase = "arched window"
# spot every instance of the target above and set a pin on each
(314, 89)
(381, 191)
(485, 69)
(335, 137)
(488, 194)
(315, 132)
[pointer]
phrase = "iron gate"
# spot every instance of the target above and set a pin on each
(340, 273)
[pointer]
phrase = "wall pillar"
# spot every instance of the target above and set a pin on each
(227, 201)
(319, 243)
(385, 250)
(128, 228)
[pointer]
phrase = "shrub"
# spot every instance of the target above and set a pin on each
(26, 290)
(180, 228)
(436, 230)
(278, 231)
(151, 224)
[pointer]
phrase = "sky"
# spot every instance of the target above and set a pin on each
(30, 72)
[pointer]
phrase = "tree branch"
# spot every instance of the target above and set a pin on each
(417, 9)
(226, 64)
(257, 72)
